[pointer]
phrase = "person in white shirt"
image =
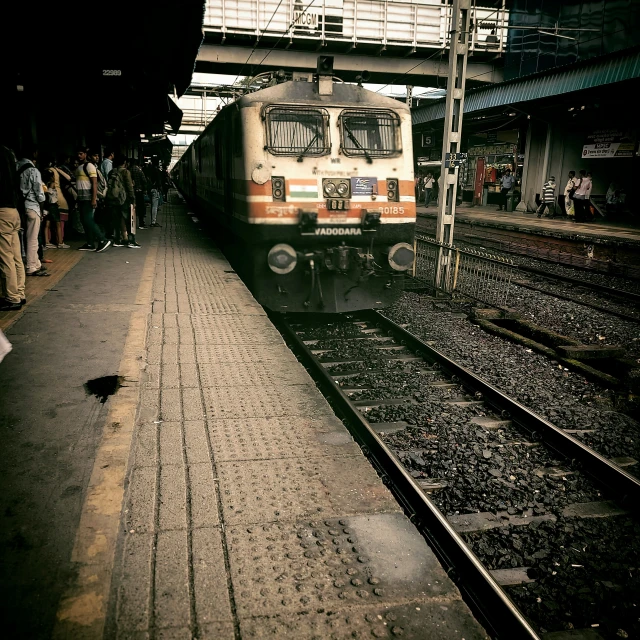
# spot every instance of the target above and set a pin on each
(582, 196)
(428, 186)
(507, 182)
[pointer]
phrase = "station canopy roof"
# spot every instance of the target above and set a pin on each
(606, 70)
(115, 62)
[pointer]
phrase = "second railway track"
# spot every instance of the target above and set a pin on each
(494, 487)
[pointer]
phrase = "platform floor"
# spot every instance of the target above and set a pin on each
(529, 222)
(214, 495)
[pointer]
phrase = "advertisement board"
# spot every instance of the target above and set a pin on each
(609, 143)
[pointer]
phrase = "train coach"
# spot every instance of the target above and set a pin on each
(310, 182)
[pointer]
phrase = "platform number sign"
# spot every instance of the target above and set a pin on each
(427, 140)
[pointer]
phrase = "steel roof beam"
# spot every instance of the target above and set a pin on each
(214, 58)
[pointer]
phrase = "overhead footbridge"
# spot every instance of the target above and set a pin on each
(394, 41)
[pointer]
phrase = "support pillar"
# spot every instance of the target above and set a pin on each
(458, 54)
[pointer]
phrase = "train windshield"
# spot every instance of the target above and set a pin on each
(294, 131)
(370, 133)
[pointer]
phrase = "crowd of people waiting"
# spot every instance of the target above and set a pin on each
(104, 198)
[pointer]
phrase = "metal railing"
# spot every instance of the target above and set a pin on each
(476, 274)
(414, 23)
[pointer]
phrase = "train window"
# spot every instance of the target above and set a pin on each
(297, 131)
(370, 133)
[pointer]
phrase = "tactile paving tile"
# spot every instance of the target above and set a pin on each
(270, 438)
(256, 491)
(264, 402)
(256, 374)
(241, 330)
(213, 307)
(233, 353)
(332, 562)
(433, 620)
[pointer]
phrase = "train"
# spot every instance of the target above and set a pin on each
(309, 183)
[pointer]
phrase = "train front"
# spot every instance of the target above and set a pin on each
(333, 213)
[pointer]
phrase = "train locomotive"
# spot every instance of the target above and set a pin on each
(310, 183)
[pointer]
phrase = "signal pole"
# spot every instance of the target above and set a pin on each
(458, 53)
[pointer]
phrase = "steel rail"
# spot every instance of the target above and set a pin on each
(562, 296)
(610, 291)
(485, 597)
(625, 486)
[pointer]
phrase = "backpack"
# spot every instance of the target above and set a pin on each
(116, 193)
(102, 183)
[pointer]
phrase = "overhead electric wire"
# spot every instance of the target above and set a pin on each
(258, 39)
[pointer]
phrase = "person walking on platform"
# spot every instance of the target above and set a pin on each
(581, 197)
(32, 193)
(548, 198)
(428, 188)
(87, 190)
(11, 266)
(565, 200)
(507, 182)
(107, 163)
(154, 182)
(139, 188)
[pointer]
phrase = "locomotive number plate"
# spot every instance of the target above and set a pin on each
(338, 204)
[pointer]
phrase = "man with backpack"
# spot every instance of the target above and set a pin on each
(31, 195)
(11, 265)
(120, 200)
(87, 189)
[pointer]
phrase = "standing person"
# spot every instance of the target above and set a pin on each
(565, 199)
(59, 175)
(120, 199)
(32, 193)
(101, 215)
(11, 266)
(139, 188)
(507, 182)
(428, 187)
(548, 198)
(581, 197)
(154, 182)
(107, 163)
(87, 189)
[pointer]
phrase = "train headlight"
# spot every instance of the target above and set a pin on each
(329, 188)
(342, 189)
(401, 256)
(282, 259)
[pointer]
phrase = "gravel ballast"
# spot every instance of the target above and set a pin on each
(563, 397)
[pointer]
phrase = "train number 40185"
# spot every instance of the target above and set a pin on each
(394, 211)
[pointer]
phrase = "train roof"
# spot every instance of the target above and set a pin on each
(344, 95)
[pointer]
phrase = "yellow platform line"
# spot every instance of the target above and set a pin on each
(82, 611)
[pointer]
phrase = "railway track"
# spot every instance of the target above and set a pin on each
(470, 463)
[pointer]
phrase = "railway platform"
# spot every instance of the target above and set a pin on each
(601, 230)
(170, 470)
(602, 245)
